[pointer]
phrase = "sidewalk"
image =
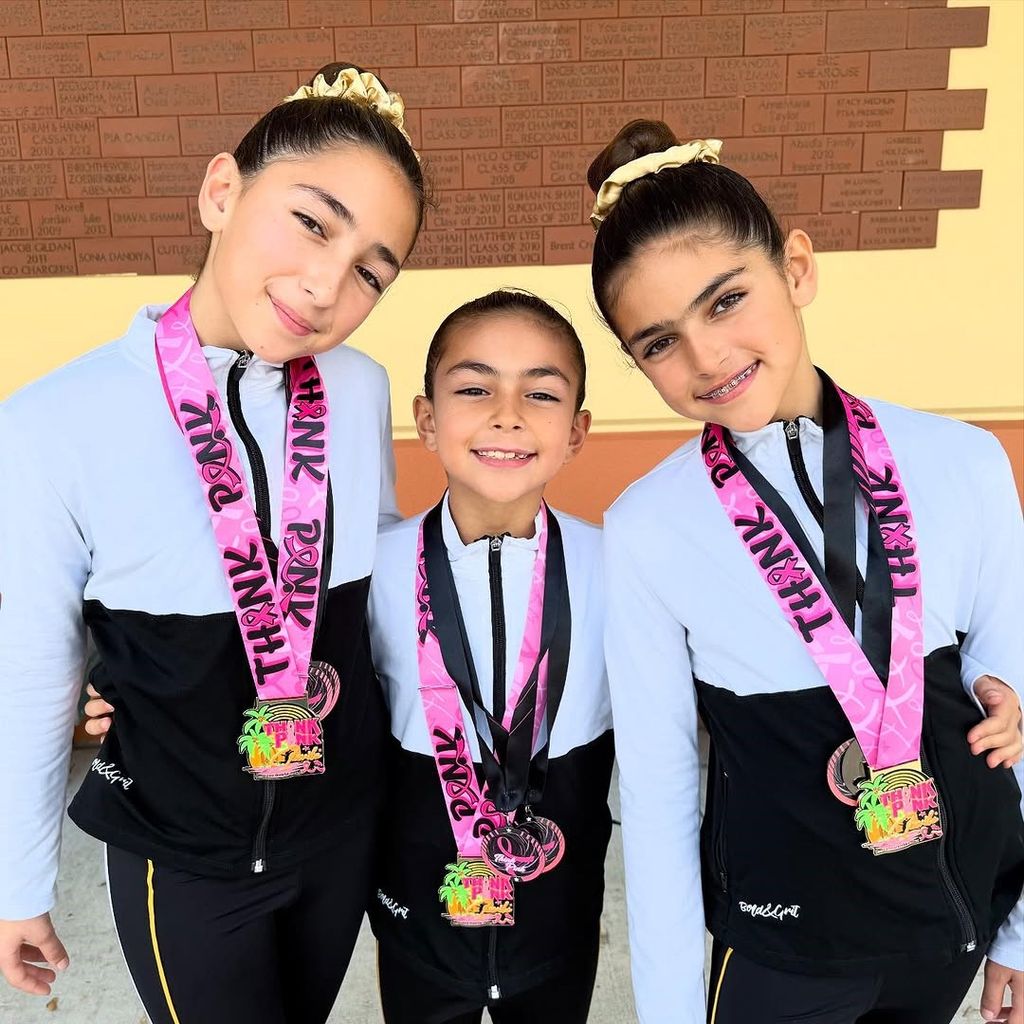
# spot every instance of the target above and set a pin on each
(98, 990)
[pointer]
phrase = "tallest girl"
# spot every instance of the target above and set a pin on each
(204, 495)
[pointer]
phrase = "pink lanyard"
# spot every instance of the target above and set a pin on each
(277, 618)
(886, 719)
(473, 815)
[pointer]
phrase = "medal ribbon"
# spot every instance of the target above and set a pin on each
(886, 716)
(277, 617)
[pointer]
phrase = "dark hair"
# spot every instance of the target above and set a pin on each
(707, 200)
(507, 302)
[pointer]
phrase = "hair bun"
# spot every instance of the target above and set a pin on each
(634, 140)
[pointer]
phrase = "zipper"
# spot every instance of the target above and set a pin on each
(261, 494)
(723, 876)
(497, 625)
(967, 931)
(493, 991)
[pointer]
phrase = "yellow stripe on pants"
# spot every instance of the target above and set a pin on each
(718, 987)
(156, 945)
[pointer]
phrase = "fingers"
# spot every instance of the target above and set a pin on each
(1016, 998)
(36, 981)
(997, 978)
(91, 690)
(98, 711)
(53, 952)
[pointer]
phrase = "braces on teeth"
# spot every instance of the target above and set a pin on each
(731, 385)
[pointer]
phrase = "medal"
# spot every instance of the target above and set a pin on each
(475, 895)
(514, 851)
(549, 835)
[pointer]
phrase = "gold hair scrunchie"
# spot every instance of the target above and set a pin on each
(700, 150)
(364, 89)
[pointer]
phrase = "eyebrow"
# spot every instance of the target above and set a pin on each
(343, 213)
(663, 325)
(486, 370)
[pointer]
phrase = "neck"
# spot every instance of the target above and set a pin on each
(210, 319)
(477, 517)
(803, 397)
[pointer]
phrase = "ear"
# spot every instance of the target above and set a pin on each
(221, 185)
(423, 416)
(580, 428)
(801, 268)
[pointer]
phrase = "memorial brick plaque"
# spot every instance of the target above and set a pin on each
(828, 72)
(568, 244)
(619, 38)
(828, 231)
(505, 168)
(5, 67)
(111, 176)
(798, 193)
(375, 46)
(175, 175)
(472, 43)
(745, 76)
(164, 16)
(407, 12)
(14, 220)
(582, 81)
(78, 16)
(941, 190)
(602, 120)
(909, 69)
(206, 134)
(148, 217)
(495, 10)
(58, 137)
(444, 168)
(95, 97)
(495, 85)
(54, 55)
(550, 205)
(211, 51)
(251, 14)
(139, 54)
(31, 179)
(878, 190)
(753, 157)
(287, 48)
(910, 230)
(37, 259)
(802, 6)
(880, 29)
(462, 127)
(27, 97)
(946, 109)
(664, 79)
(529, 42)
(114, 256)
(702, 37)
(194, 219)
(552, 125)
(775, 115)
(321, 13)
(823, 154)
(253, 93)
(10, 147)
(902, 151)
(70, 218)
(784, 33)
(567, 165)
(177, 94)
(178, 255)
(505, 248)
(468, 208)
(945, 27)
(139, 136)
(21, 18)
(658, 8)
(865, 112)
(692, 119)
(432, 87)
(436, 249)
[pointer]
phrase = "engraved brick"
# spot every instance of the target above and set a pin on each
(175, 175)
(822, 154)
(601, 121)
(194, 218)
(753, 157)
(829, 232)
(950, 109)
(658, 8)
(457, 44)
(801, 6)
(497, 168)
(204, 134)
(875, 4)
(27, 97)
(375, 45)
(31, 179)
(741, 6)
(10, 147)
(250, 93)
(114, 256)
(177, 94)
(717, 36)
(877, 190)
(784, 33)
(529, 42)
(139, 136)
(147, 217)
(745, 76)
(21, 18)
(104, 97)
(37, 259)
(464, 127)
(443, 167)
(325, 13)
(498, 84)
(587, 80)
(141, 54)
(178, 255)
(912, 230)
(540, 125)
(866, 30)
(161, 16)
(5, 67)
(495, 10)
(577, 8)
(865, 112)
(567, 165)
(283, 49)
(664, 79)
(14, 220)
(565, 245)
(715, 118)
(539, 206)
(963, 26)
(54, 138)
(405, 12)
(110, 176)
(60, 56)
(80, 16)
(412, 129)
(212, 51)
(617, 38)
(436, 249)
(783, 115)
(828, 72)
(246, 14)
(903, 151)
(425, 87)
(505, 247)
(468, 208)
(799, 193)
(947, 190)
(909, 69)
(70, 218)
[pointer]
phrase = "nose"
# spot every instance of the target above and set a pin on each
(707, 352)
(506, 414)
(322, 282)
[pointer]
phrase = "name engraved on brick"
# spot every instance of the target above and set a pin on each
(670, 78)
(828, 72)
(578, 82)
(109, 176)
(903, 151)
(70, 218)
(502, 168)
(822, 154)
(496, 85)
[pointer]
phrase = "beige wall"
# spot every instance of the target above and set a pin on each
(940, 329)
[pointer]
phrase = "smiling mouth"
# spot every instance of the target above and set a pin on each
(502, 455)
(730, 385)
(295, 323)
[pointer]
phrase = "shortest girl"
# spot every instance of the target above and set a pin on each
(486, 622)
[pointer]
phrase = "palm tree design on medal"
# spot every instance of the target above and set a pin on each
(254, 742)
(872, 816)
(453, 892)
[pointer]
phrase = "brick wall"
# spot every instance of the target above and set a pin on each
(110, 109)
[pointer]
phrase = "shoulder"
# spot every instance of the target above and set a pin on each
(395, 540)
(349, 367)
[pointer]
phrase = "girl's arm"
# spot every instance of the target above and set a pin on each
(388, 511)
(655, 719)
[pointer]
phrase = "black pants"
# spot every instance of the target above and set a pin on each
(406, 998)
(271, 948)
(741, 991)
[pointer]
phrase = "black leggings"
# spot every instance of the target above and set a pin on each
(271, 948)
(406, 998)
(741, 991)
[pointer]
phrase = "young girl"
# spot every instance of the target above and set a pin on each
(828, 583)
(204, 494)
(486, 621)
